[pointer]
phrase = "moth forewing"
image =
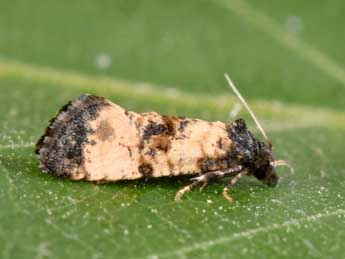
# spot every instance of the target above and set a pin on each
(126, 145)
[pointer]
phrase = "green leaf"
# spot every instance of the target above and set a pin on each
(170, 57)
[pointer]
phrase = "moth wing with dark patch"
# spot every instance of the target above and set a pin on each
(61, 147)
(90, 138)
(94, 139)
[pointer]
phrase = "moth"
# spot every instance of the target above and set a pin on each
(93, 139)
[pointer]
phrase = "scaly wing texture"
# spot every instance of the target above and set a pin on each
(94, 139)
(286, 58)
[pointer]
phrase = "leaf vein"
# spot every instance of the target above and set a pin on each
(247, 234)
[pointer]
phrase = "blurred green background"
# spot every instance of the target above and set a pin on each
(287, 58)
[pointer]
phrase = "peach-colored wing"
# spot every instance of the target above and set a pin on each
(117, 144)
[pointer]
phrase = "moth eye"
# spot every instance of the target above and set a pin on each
(259, 173)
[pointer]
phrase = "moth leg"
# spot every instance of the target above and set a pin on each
(203, 186)
(202, 179)
(205, 178)
(185, 189)
(231, 183)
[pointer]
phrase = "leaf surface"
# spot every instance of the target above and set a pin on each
(170, 58)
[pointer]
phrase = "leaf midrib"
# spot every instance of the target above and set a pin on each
(144, 91)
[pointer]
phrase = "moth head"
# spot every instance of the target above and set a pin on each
(267, 174)
(264, 164)
(264, 169)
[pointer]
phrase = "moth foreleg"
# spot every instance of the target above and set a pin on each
(231, 183)
(205, 178)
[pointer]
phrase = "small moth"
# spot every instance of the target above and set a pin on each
(93, 139)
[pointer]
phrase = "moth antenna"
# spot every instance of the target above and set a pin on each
(233, 87)
(276, 163)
